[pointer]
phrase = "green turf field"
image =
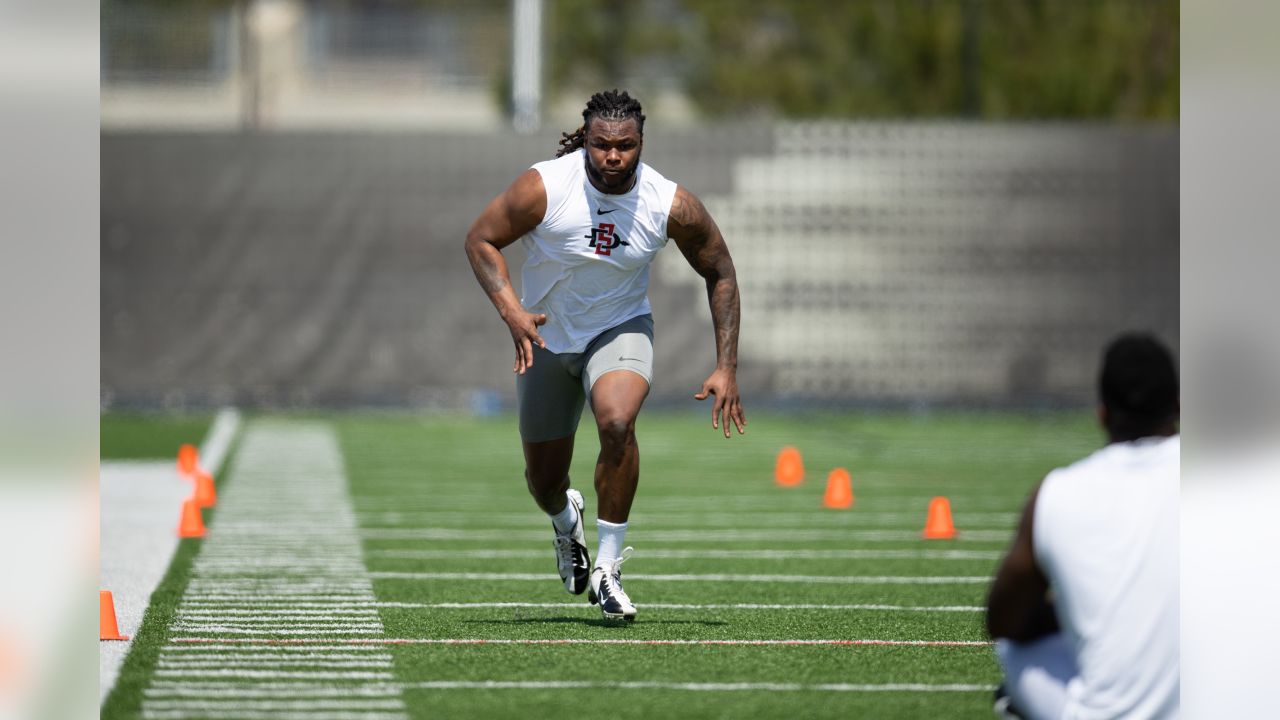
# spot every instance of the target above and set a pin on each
(721, 554)
(133, 436)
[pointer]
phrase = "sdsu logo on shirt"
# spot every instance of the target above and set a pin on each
(603, 239)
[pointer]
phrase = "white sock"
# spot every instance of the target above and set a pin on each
(611, 537)
(565, 519)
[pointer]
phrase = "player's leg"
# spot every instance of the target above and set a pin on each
(546, 472)
(1037, 675)
(618, 372)
(550, 405)
(616, 399)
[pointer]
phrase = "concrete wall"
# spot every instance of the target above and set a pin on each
(879, 263)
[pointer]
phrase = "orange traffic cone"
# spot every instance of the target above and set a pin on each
(107, 628)
(938, 526)
(188, 459)
(789, 470)
(839, 493)
(192, 524)
(206, 495)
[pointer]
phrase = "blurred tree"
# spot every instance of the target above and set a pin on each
(881, 58)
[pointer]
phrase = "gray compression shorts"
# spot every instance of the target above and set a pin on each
(552, 392)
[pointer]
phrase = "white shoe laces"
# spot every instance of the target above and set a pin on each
(564, 549)
(611, 573)
(564, 542)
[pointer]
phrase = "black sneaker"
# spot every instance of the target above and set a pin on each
(606, 589)
(572, 559)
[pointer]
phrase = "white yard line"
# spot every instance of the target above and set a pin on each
(306, 690)
(771, 501)
(286, 537)
(245, 608)
(582, 641)
(685, 536)
(697, 687)
(682, 520)
(710, 553)
(138, 510)
(695, 606)
(721, 577)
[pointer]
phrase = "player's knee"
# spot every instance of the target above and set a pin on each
(549, 485)
(617, 430)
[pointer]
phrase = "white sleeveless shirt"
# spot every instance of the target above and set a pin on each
(588, 260)
(1106, 534)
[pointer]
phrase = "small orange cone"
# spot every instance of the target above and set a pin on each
(206, 495)
(789, 470)
(839, 493)
(192, 524)
(938, 526)
(188, 459)
(107, 628)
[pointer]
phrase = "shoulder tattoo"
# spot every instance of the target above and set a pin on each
(687, 210)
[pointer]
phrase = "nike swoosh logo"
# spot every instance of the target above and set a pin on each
(627, 358)
(604, 212)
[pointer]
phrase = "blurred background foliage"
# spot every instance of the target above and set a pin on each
(794, 59)
(993, 59)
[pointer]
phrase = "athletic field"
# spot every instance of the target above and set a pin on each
(388, 566)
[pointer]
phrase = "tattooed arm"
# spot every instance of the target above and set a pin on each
(506, 219)
(700, 241)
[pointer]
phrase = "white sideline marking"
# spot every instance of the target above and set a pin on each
(667, 536)
(585, 641)
(282, 562)
(692, 606)
(416, 554)
(820, 579)
(213, 451)
(138, 511)
(698, 687)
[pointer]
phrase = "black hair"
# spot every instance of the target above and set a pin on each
(609, 105)
(1138, 386)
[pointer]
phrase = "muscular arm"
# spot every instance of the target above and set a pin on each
(698, 238)
(506, 219)
(1018, 607)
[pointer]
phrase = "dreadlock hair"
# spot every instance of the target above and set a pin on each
(608, 105)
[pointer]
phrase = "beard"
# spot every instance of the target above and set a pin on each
(622, 181)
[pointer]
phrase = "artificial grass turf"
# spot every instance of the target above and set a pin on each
(651, 703)
(432, 480)
(436, 475)
(678, 664)
(125, 699)
(137, 436)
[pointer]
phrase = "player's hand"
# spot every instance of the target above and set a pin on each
(723, 383)
(524, 332)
